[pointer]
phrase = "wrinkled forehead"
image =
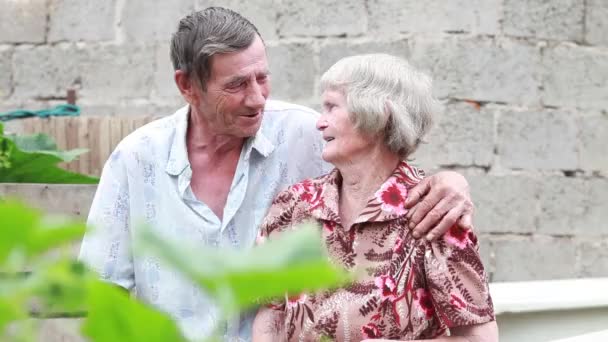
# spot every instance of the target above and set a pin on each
(248, 61)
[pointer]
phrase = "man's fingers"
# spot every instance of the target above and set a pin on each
(466, 221)
(422, 224)
(447, 221)
(423, 207)
(417, 192)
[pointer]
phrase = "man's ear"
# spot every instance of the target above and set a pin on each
(185, 85)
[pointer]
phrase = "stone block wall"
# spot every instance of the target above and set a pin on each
(523, 86)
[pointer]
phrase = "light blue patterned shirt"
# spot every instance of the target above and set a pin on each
(147, 179)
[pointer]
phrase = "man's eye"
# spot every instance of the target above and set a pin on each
(236, 85)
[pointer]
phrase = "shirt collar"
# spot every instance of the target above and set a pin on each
(387, 203)
(178, 153)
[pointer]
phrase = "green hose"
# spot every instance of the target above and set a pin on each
(60, 110)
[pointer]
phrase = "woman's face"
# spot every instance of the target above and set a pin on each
(344, 142)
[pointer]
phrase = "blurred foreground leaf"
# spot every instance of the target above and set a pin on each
(114, 316)
(292, 263)
(24, 236)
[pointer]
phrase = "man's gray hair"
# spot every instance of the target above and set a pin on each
(202, 34)
(385, 97)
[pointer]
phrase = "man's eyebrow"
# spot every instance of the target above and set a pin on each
(242, 78)
(237, 79)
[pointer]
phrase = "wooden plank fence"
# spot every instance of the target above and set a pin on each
(98, 134)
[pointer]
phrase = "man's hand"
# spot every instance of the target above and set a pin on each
(438, 202)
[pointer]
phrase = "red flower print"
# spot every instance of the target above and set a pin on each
(306, 197)
(424, 302)
(386, 285)
(398, 245)
(457, 302)
(392, 196)
(370, 330)
(316, 201)
(305, 190)
(457, 236)
(329, 225)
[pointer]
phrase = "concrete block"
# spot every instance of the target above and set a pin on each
(505, 204)
(593, 256)
(545, 140)
(322, 18)
(486, 253)
(534, 258)
(129, 109)
(293, 71)
(165, 88)
(556, 19)
(47, 71)
(23, 21)
(480, 69)
(6, 72)
(575, 76)
(475, 16)
(153, 20)
(261, 13)
(593, 139)
(573, 206)
(596, 25)
(462, 135)
(59, 199)
(332, 51)
(127, 72)
(75, 20)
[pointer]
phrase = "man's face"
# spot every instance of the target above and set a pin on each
(233, 103)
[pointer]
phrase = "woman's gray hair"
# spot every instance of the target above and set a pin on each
(385, 97)
(202, 34)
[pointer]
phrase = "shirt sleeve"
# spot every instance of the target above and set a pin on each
(280, 216)
(457, 280)
(106, 246)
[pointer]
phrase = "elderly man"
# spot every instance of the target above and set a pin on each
(208, 173)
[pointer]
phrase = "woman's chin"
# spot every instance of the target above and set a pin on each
(328, 157)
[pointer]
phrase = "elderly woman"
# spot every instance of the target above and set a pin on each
(376, 110)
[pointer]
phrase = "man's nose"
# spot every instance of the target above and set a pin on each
(321, 124)
(255, 97)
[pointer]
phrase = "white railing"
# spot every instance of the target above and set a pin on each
(553, 309)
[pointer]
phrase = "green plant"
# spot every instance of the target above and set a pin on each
(58, 284)
(34, 159)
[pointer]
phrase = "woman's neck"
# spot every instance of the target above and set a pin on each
(361, 177)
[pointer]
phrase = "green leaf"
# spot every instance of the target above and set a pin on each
(61, 286)
(114, 316)
(43, 143)
(40, 166)
(9, 312)
(293, 263)
(25, 235)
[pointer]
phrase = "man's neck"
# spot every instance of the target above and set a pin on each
(201, 138)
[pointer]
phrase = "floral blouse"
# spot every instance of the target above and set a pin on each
(404, 289)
